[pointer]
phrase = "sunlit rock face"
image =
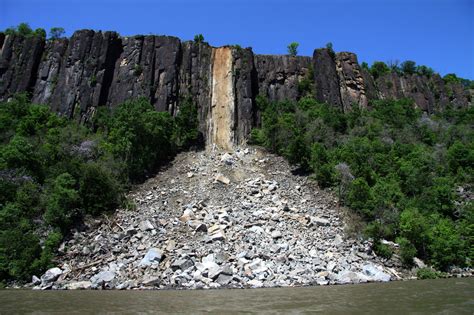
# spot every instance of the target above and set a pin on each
(77, 75)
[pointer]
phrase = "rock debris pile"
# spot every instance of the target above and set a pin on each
(213, 220)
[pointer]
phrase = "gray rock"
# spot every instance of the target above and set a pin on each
(151, 280)
(51, 275)
(346, 277)
(224, 279)
(375, 273)
(153, 256)
(182, 264)
(255, 283)
(214, 271)
(35, 280)
(276, 234)
(319, 221)
(102, 277)
(80, 285)
(146, 226)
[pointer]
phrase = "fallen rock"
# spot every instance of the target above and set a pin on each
(182, 264)
(255, 283)
(153, 256)
(80, 285)
(375, 273)
(51, 275)
(221, 178)
(346, 277)
(146, 226)
(319, 221)
(151, 280)
(102, 277)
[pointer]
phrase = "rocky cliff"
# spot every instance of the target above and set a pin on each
(75, 76)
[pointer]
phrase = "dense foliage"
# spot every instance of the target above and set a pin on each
(55, 171)
(24, 29)
(396, 167)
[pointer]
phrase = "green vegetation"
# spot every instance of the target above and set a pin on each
(428, 273)
(395, 167)
(23, 29)
(55, 171)
(199, 38)
(56, 32)
(293, 49)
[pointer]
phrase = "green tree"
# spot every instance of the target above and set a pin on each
(62, 202)
(56, 32)
(293, 49)
(199, 38)
(408, 67)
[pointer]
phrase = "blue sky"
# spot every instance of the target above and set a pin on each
(437, 33)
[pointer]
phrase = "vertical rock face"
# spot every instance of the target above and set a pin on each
(221, 122)
(244, 90)
(81, 79)
(75, 76)
(351, 81)
(48, 72)
(147, 66)
(195, 76)
(278, 76)
(19, 62)
(326, 79)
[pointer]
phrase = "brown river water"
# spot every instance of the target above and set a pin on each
(443, 296)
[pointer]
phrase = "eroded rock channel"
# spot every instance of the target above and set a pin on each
(214, 219)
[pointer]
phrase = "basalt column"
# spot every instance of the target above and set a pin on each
(221, 118)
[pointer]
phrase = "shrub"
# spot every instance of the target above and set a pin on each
(378, 69)
(407, 251)
(383, 250)
(62, 202)
(427, 273)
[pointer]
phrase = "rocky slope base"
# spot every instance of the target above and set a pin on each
(211, 220)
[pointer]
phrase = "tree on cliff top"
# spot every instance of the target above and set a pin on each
(56, 32)
(293, 49)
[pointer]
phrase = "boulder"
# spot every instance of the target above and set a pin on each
(153, 256)
(102, 278)
(80, 285)
(51, 275)
(375, 273)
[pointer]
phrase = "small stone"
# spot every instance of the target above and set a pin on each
(227, 159)
(146, 226)
(221, 178)
(319, 221)
(188, 214)
(190, 174)
(276, 234)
